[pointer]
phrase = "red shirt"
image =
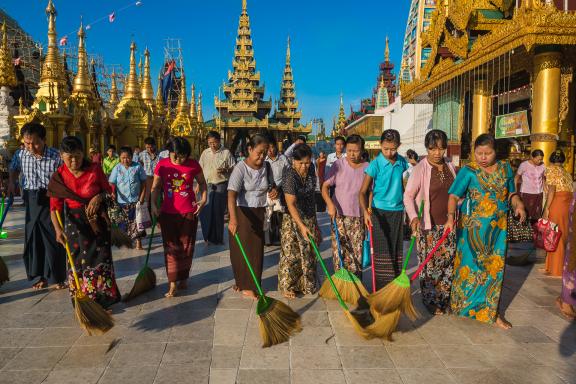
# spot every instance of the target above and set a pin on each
(87, 185)
(177, 184)
(97, 158)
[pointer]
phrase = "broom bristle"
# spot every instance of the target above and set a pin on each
(91, 316)
(359, 322)
(145, 281)
(278, 323)
(384, 325)
(407, 306)
(4, 274)
(348, 285)
(119, 238)
(387, 299)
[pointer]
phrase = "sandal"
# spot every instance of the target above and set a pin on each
(60, 286)
(172, 291)
(502, 323)
(41, 284)
(289, 295)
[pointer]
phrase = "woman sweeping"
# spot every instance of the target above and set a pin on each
(82, 188)
(178, 215)
(251, 181)
(297, 266)
(130, 180)
(429, 182)
(560, 189)
(346, 176)
(488, 189)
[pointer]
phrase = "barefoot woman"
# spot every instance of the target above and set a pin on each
(487, 187)
(178, 216)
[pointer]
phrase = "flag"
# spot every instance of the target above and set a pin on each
(138, 3)
(112, 17)
(167, 86)
(63, 41)
(88, 27)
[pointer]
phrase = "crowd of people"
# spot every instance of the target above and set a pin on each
(273, 198)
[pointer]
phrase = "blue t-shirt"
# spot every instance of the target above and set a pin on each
(388, 182)
(127, 181)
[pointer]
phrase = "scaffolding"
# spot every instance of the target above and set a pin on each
(173, 53)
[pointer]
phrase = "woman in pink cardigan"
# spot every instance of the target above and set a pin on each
(429, 182)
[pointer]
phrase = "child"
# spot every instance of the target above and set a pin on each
(386, 217)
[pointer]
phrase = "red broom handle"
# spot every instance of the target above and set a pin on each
(372, 259)
(430, 254)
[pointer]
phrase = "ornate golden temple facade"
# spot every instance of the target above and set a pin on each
(243, 110)
(495, 58)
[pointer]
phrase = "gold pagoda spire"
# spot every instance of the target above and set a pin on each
(140, 72)
(287, 112)
(193, 102)
(387, 51)
(183, 106)
(146, 83)
(113, 91)
(288, 52)
(82, 84)
(160, 106)
(52, 68)
(7, 74)
(341, 115)
(200, 116)
(132, 90)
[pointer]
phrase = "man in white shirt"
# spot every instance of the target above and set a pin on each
(217, 163)
(339, 145)
(278, 164)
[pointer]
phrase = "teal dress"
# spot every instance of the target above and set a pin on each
(481, 251)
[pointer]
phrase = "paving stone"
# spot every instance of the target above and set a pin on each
(365, 357)
(349, 337)
(313, 376)
(75, 376)
(93, 356)
(7, 354)
(185, 374)
(426, 375)
(533, 374)
(315, 357)
(373, 376)
(462, 356)
(229, 335)
(314, 336)
(315, 319)
(225, 356)
(232, 317)
(14, 338)
(263, 376)
(138, 354)
(276, 357)
(198, 353)
(192, 332)
(480, 376)
(413, 357)
(23, 377)
(129, 375)
(439, 336)
(513, 356)
(223, 376)
(56, 337)
(36, 358)
(112, 337)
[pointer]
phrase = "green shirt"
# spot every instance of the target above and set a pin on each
(108, 164)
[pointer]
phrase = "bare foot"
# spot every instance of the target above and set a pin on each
(566, 310)
(544, 271)
(183, 284)
(41, 284)
(249, 293)
(172, 291)
(60, 286)
(139, 245)
(235, 288)
(289, 295)
(438, 312)
(501, 322)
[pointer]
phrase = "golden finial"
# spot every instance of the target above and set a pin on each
(7, 74)
(244, 6)
(200, 116)
(288, 52)
(82, 84)
(52, 67)
(387, 51)
(183, 107)
(113, 90)
(159, 97)
(140, 72)
(193, 102)
(132, 89)
(146, 84)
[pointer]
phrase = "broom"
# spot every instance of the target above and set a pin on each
(430, 255)
(277, 320)
(4, 274)
(90, 315)
(396, 295)
(347, 284)
(146, 279)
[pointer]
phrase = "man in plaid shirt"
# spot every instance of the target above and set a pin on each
(44, 258)
(149, 158)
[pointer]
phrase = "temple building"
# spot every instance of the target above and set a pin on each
(504, 68)
(244, 111)
(186, 123)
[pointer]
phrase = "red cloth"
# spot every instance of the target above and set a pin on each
(89, 184)
(97, 158)
(177, 184)
(321, 170)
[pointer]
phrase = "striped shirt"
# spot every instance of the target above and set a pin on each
(36, 171)
(149, 162)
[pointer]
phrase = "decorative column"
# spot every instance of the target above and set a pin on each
(546, 101)
(481, 109)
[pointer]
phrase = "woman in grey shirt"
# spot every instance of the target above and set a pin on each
(248, 188)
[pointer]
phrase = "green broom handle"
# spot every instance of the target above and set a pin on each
(342, 304)
(260, 292)
(412, 239)
(154, 222)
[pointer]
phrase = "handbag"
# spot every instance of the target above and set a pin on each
(143, 219)
(547, 235)
(366, 259)
(519, 232)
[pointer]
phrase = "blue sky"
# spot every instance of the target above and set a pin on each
(336, 45)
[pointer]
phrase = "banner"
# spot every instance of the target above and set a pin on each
(512, 125)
